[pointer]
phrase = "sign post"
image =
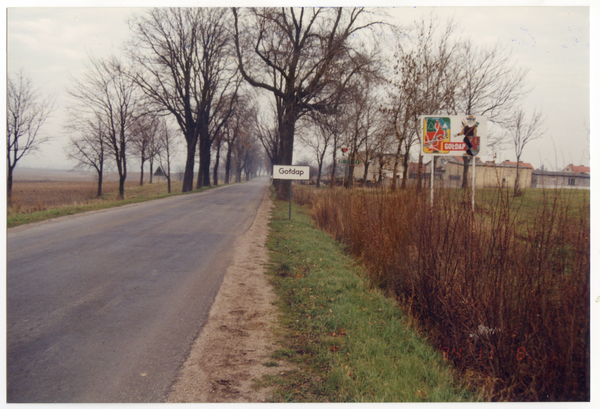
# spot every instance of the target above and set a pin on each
(432, 171)
(288, 172)
(454, 135)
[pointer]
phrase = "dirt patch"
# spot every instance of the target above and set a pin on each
(237, 340)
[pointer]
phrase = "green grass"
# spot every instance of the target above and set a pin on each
(137, 194)
(527, 204)
(349, 342)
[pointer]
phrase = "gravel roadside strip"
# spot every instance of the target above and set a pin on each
(237, 339)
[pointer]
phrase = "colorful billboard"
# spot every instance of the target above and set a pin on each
(454, 135)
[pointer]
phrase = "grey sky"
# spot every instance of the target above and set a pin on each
(554, 42)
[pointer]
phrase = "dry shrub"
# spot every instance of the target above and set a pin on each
(504, 296)
(303, 194)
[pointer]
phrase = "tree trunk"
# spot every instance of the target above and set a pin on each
(517, 190)
(366, 174)
(350, 180)
(168, 174)
(238, 173)
(395, 172)
(121, 170)
(142, 173)
(9, 183)
(151, 162)
(420, 173)
(204, 167)
(216, 168)
(405, 171)
(380, 175)
(188, 176)
(200, 168)
(99, 192)
(334, 165)
(319, 174)
(121, 186)
(228, 163)
(286, 133)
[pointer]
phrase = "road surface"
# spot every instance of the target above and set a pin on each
(104, 307)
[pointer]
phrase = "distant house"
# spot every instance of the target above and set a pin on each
(488, 174)
(577, 169)
(523, 165)
(413, 170)
(450, 170)
(572, 177)
(449, 173)
(380, 166)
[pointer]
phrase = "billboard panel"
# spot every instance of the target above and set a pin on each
(453, 134)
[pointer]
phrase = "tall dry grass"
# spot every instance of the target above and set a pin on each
(503, 292)
(34, 196)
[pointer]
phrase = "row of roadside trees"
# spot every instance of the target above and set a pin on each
(434, 70)
(324, 71)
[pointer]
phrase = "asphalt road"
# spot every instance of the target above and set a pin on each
(104, 307)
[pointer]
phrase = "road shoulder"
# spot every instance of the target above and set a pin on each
(235, 345)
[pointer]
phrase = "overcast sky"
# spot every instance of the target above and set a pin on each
(52, 44)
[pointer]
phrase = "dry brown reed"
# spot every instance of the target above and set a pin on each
(503, 292)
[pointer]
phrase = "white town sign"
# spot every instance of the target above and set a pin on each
(291, 172)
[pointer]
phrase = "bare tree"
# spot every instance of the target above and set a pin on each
(107, 92)
(425, 80)
(237, 128)
(184, 56)
(144, 141)
(87, 145)
(253, 159)
(318, 138)
(247, 154)
(362, 125)
(304, 57)
(218, 142)
(523, 130)
(26, 113)
(168, 148)
(221, 115)
(492, 85)
(268, 134)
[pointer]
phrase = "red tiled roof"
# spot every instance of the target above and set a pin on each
(413, 167)
(577, 169)
(521, 164)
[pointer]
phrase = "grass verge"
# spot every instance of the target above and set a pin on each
(349, 342)
(504, 292)
(132, 195)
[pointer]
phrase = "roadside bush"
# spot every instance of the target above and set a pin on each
(504, 293)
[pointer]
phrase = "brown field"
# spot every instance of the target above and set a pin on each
(43, 189)
(32, 196)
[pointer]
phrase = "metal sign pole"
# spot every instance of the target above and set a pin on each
(432, 170)
(473, 192)
(290, 218)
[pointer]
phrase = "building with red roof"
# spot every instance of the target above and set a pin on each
(577, 169)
